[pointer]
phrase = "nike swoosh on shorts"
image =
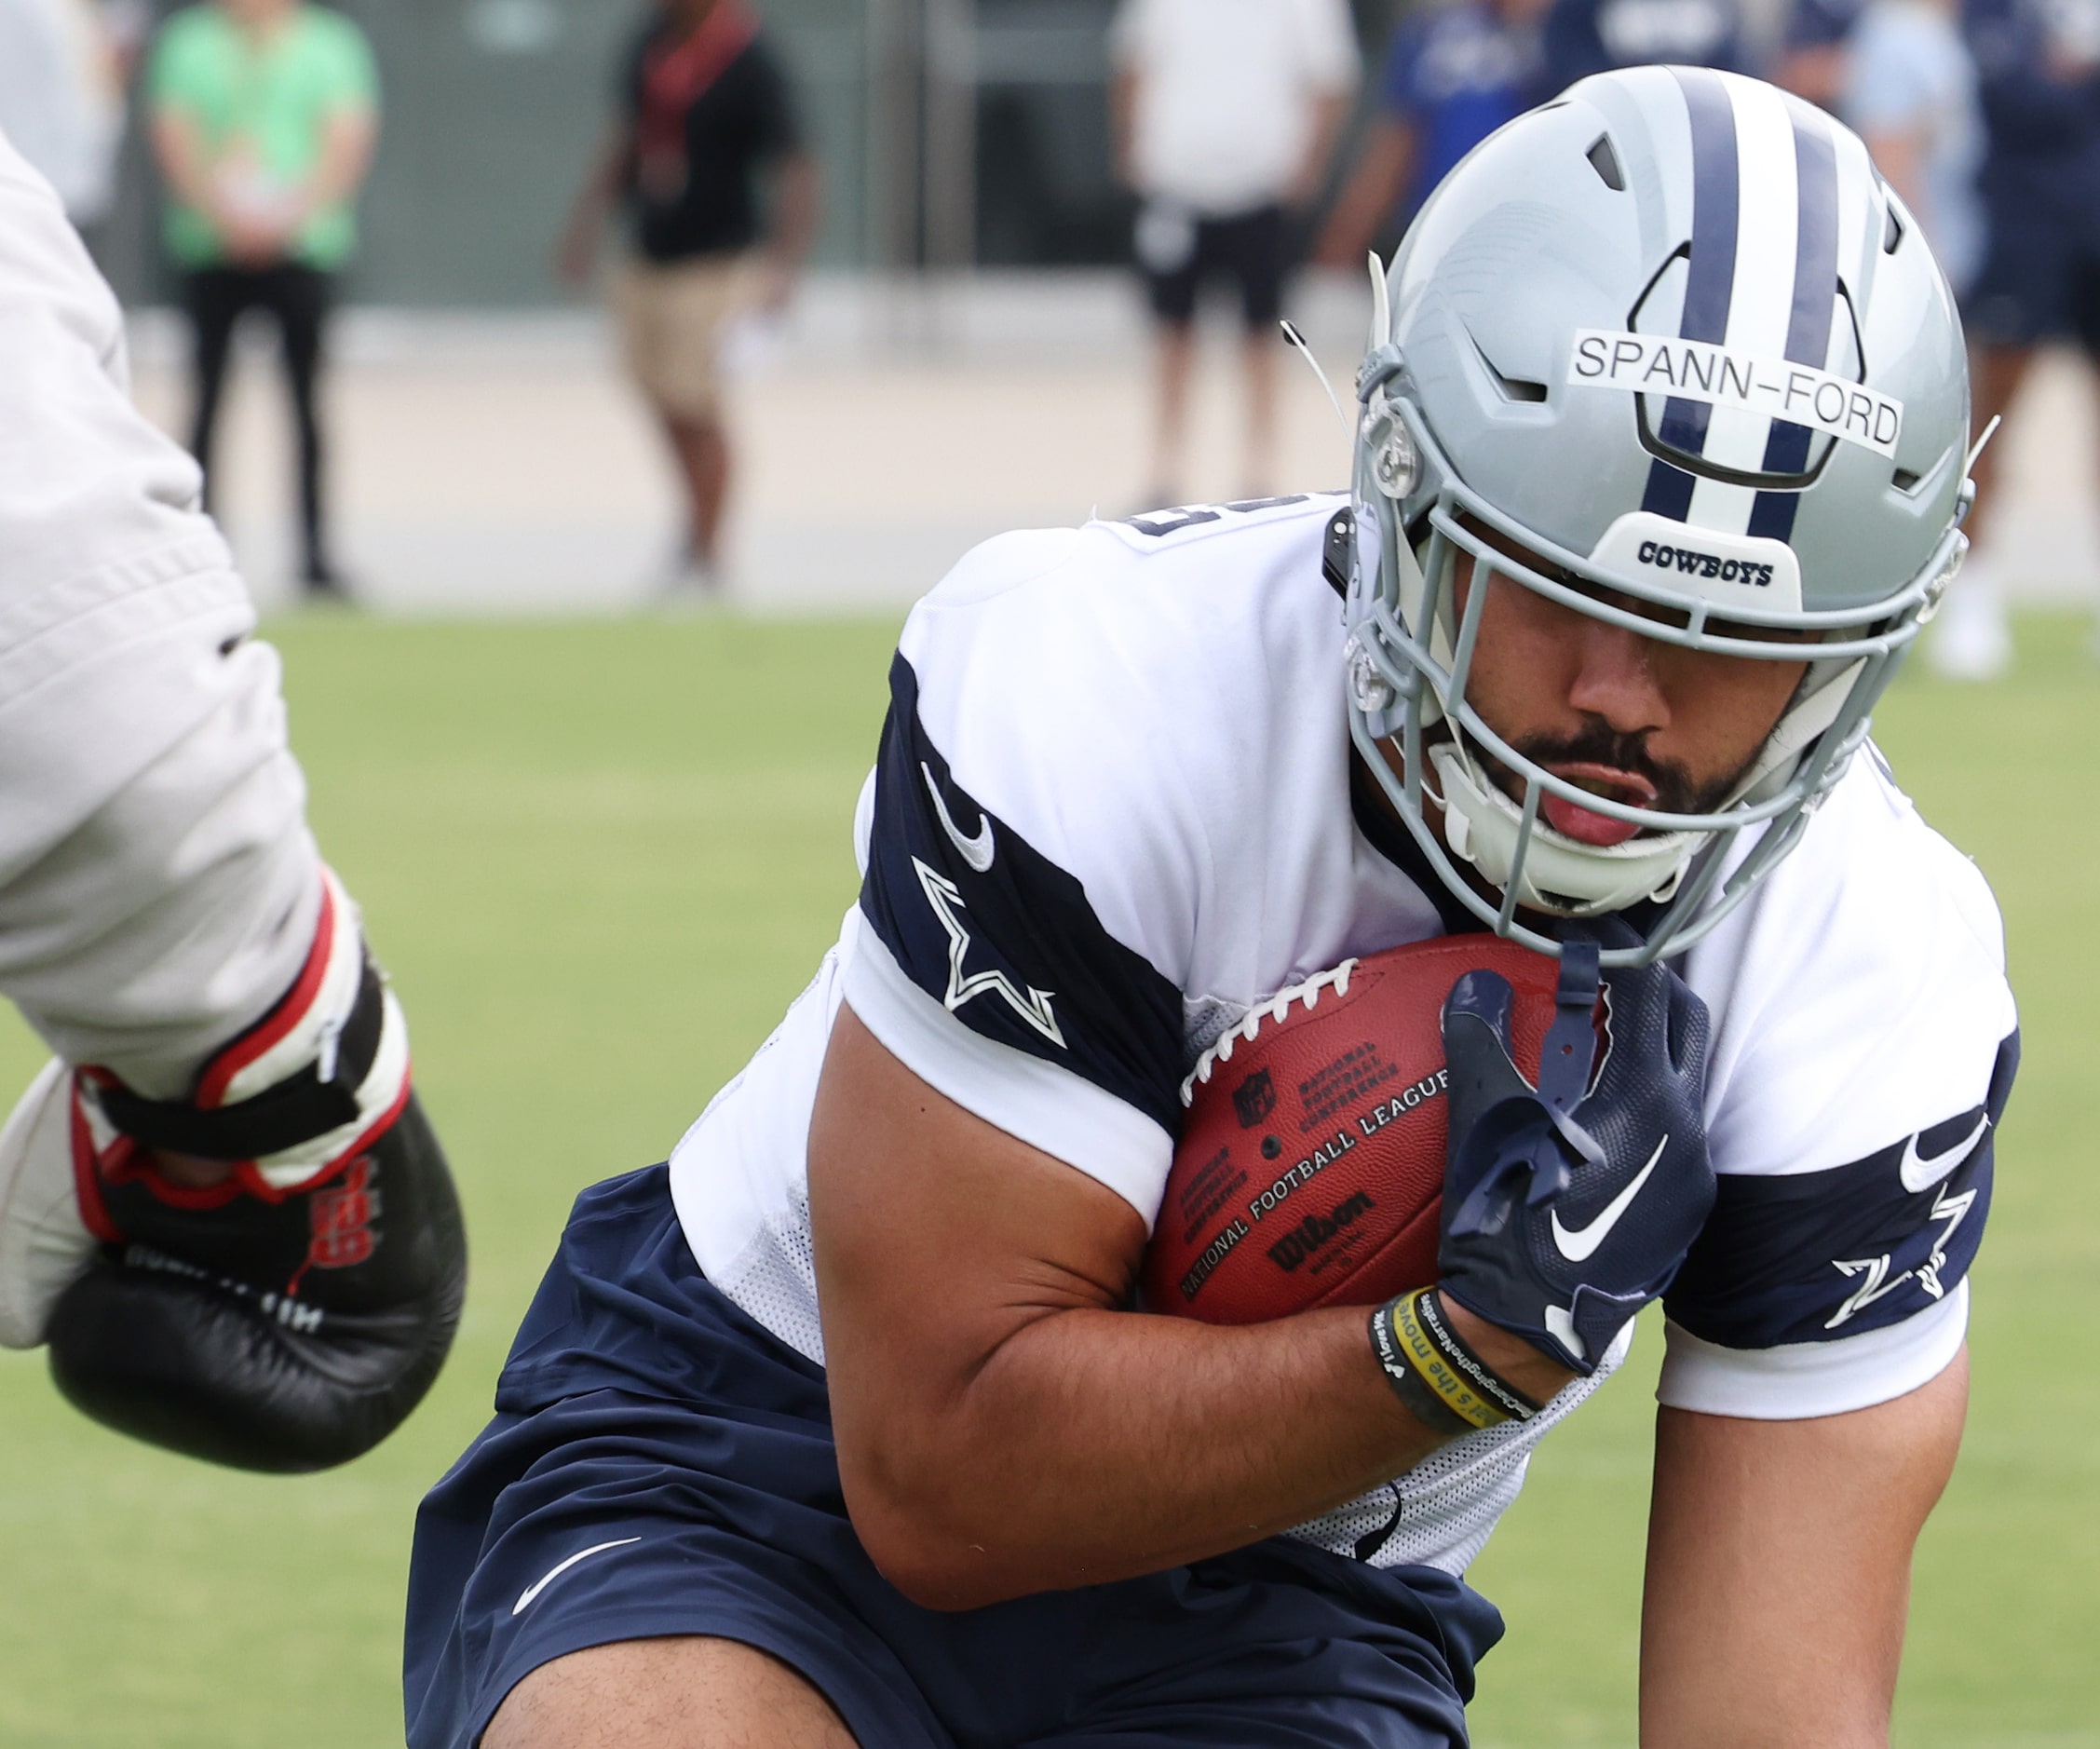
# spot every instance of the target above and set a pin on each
(526, 1597)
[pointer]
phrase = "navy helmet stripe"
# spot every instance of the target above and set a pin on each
(1815, 255)
(1771, 513)
(1710, 276)
(1710, 281)
(1684, 424)
(1815, 302)
(1669, 492)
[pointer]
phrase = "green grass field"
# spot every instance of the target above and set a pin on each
(601, 858)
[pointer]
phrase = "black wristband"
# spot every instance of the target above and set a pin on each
(1408, 1385)
(296, 1110)
(1436, 1322)
(1443, 1383)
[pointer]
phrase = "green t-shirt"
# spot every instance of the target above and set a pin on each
(262, 107)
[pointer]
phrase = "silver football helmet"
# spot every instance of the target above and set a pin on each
(1674, 335)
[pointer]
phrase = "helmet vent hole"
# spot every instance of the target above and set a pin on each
(1509, 387)
(1891, 231)
(1904, 481)
(1605, 161)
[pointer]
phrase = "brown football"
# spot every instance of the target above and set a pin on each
(1310, 1166)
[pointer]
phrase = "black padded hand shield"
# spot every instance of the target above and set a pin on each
(283, 1336)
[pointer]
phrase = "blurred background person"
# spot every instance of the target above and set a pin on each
(1908, 87)
(2039, 73)
(1899, 72)
(61, 100)
(1586, 36)
(706, 115)
(1452, 75)
(264, 114)
(1814, 57)
(1224, 114)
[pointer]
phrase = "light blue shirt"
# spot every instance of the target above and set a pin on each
(1910, 73)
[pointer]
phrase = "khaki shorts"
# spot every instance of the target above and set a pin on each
(672, 319)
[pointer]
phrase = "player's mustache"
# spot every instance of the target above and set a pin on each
(1676, 790)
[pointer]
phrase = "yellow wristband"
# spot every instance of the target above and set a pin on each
(1424, 1342)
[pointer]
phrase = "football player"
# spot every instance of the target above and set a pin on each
(844, 1427)
(221, 1206)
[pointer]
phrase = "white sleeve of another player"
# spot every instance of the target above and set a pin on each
(158, 890)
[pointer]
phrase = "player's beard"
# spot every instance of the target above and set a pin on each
(1676, 790)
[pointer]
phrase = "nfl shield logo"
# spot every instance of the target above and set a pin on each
(1254, 1099)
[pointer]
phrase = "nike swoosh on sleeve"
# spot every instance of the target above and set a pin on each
(526, 1597)
(1579, 1245)
(977, 851)
(1921, 1172)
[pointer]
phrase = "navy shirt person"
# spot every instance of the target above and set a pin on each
(2038, 82)
(1586, 36)
(1812, 51)
(1452, 75)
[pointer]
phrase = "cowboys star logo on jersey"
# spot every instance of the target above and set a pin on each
(998, 933)
(1923, 1167)
(965, 985)
(1896, 1232)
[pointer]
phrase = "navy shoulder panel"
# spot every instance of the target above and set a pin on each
(1819, 1256)
(1001, 936)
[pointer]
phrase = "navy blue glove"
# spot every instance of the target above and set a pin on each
(1567, 1209)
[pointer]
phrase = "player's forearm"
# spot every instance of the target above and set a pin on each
(1004, 1424)
(1778, 1570)
(1094, 1446)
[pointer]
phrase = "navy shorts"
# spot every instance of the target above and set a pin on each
(661, 1465)
(2038, 281)
(1178, 251)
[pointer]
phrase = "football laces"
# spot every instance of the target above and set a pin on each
(1335, 979)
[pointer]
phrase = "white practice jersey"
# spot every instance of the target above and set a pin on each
(158, 890)
(1227, 95)
(1113, 809)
